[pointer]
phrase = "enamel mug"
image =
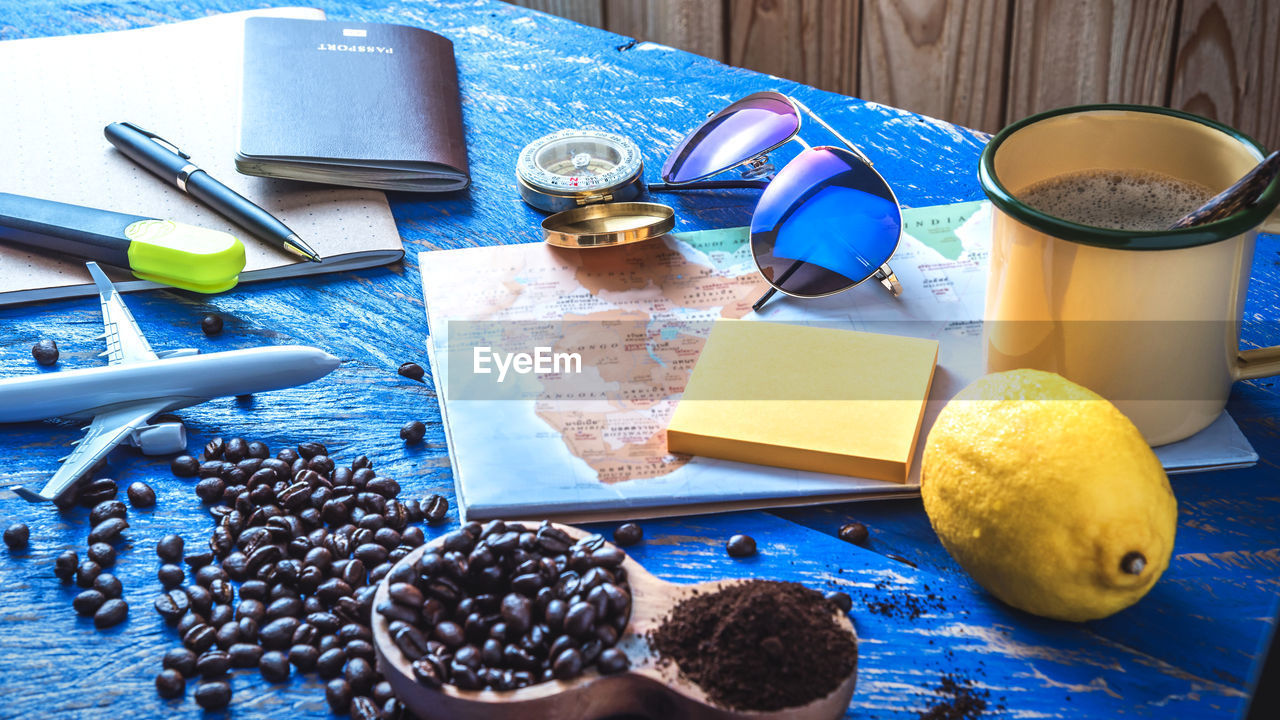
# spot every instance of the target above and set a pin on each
(1149, 320)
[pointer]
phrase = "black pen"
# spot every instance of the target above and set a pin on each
(167, 162)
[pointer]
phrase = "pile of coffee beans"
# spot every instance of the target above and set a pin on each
(502, 606)
(102, 593)
(287, 577)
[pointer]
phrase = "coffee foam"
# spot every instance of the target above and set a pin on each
(1116, 199)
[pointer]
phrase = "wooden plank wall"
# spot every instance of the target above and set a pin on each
(984, 63)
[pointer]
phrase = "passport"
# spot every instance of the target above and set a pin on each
(371, 105)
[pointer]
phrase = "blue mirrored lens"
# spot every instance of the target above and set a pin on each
(745, 129)
(824, 224)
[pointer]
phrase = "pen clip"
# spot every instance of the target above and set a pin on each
(158, 140)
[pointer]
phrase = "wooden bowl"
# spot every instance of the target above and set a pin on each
(648, 689)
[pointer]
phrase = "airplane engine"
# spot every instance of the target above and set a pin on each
(163, 438)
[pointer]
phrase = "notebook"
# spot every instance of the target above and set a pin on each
(62, 91)
(363, 104)
(817, 399)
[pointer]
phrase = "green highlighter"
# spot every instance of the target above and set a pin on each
(163, 251)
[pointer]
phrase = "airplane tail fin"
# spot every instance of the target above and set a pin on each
(105, 288)
(28, 495)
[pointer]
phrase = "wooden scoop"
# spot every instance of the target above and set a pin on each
(647, 690)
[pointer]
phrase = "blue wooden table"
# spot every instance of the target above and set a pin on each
(1189, 649)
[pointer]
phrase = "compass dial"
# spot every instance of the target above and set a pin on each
(571, 162)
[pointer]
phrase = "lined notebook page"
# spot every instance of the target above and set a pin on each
(182, 82)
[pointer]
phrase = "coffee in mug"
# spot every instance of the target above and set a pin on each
(1087, 281)
(1117, 199)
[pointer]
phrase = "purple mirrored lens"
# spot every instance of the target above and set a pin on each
(824, 224)
(741, 131)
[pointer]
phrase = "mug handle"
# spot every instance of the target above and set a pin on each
(1259, 363)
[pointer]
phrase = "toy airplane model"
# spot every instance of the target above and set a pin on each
(139, 384)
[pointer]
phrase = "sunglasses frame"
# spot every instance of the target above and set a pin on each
(758, 165)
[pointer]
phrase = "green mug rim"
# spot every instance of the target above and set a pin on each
(1235, 224)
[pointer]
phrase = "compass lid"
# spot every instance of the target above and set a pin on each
(608, 224)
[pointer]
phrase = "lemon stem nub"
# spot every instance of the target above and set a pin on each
(1133, 563)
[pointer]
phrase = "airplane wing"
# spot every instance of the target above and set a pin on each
(125, 341)
(107, 430)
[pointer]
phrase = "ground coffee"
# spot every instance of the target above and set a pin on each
(758, 645)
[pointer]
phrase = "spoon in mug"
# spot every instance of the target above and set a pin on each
(1237, 197)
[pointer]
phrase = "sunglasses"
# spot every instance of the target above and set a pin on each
(825, 222)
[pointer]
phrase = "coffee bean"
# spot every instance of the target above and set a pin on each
(88, 602)
(612, 661)
(213, 695)
(413, 432)
(180, 660)
(170, 575)
(854, 532)
(228, 634)
(284, 607)
(360, 675)
(429, 671)
(141, 495)
(741, 546)
(86, 572)
(382, 692)
(170, 684)
(303, 657)
(45, 352)
(199, 559)
(64, 567)
(173, 604)
(411, 370)
(96, 491)
(109, 585)
(211, 325)
(184, 466)
(213, 664)
(112, 613)
(361, 648)
(330, 663)
(364, 708)
(201, 599)
(107, 509)
(628, 534)
(567, 665)
(580, 620)
(841, 600)
(188, 621)
(108, 530)
(103, 554)
(220, 615)
(274, 666)
(277, 634)
(16, 536)
(338, 694)
(244, 655)
(210, 489)
(170, 548)
(199, 638)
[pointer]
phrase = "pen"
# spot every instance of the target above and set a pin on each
(167, 162)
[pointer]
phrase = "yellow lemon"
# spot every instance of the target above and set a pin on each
(1048, 496)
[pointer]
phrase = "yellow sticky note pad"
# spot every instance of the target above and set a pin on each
(830, 401)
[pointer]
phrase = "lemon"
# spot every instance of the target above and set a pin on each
(1048, 496)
